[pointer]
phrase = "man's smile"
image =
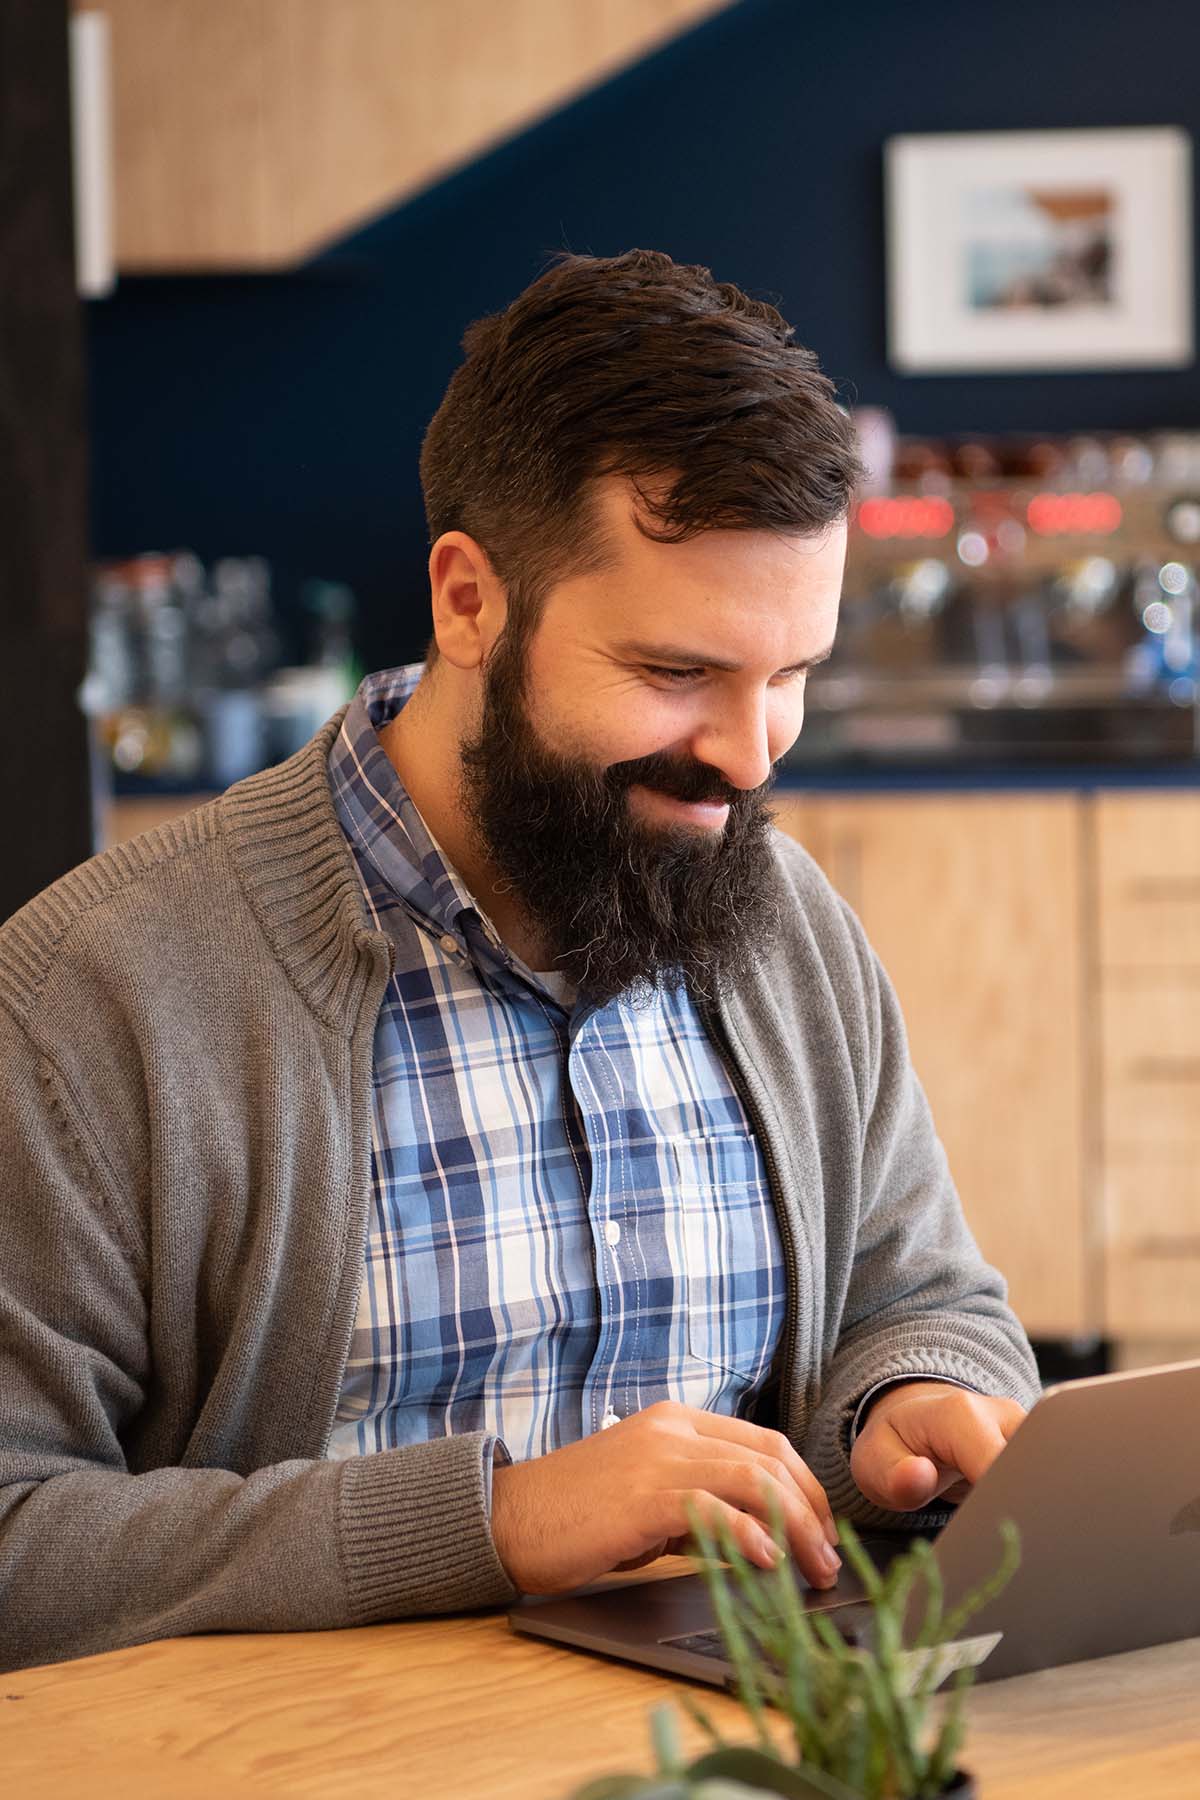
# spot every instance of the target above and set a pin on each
(652, 803)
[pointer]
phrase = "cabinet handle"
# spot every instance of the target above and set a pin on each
(1166, 1246)
(1165, 888)
(1166, 1068)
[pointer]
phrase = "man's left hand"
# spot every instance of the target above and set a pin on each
(926, 1440)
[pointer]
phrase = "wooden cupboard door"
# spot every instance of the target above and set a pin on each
(1152, 1245)
(1150, 1134)
(1150, 1037)
(1148, 880)
(1147, 861)
(974, 906)
(197, 93)
(251, 133)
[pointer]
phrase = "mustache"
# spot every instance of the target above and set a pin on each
(681, 778)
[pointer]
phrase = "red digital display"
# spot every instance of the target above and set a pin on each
(906, 516)
(1078, 515)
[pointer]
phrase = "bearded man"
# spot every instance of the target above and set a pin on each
(443, 1160)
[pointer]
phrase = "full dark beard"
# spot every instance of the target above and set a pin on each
(624, 908)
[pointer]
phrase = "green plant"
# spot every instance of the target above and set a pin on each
(861, 1715)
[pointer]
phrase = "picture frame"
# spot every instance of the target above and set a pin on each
(1039, 250)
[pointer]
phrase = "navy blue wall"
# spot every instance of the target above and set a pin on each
(284, 414)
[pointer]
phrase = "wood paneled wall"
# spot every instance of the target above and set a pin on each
(251, 132)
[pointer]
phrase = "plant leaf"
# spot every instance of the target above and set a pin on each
(664, 1736)
(632, 1787)
(769, 1775)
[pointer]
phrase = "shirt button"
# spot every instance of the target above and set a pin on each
(449, 945)
(610, 1418)
(612, 1233)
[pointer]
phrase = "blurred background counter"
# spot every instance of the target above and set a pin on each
(1045, 945)
(998, 770)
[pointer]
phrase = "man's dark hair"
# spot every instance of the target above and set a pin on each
(639, 366)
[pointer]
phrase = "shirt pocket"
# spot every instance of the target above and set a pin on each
(729, 1251)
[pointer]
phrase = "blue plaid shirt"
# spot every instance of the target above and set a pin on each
(570, 1213)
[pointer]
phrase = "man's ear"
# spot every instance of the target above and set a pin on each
(470, 604)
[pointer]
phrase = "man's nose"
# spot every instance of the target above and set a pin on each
(737, 743)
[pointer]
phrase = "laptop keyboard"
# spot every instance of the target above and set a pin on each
(700, 1643)
(853, 1622)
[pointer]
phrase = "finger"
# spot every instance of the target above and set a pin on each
(956, 1430)
(718, 1517)
(811, 1494)
(965, 1441)
(1008, 1415)
(753, 1489)
(1010, 1418)
(906, 1484)
(742, 1435)
(909, 1456)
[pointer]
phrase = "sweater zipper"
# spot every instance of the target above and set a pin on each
(720, 1036)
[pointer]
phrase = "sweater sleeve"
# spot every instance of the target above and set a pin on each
(921, 1299)
(100, 1547)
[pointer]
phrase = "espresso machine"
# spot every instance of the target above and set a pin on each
(1014, 602)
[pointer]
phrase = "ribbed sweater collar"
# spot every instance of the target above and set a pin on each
(298, 874)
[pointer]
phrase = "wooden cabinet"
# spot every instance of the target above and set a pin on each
(1147, 873)
(250, 133)
(974, 906)
(1046, 951)
(1148, 880)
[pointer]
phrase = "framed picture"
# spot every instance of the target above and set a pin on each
(1018, 250)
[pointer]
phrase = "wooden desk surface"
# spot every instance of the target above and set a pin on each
(462, 1709)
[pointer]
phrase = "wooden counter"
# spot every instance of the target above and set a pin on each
(462, 1709)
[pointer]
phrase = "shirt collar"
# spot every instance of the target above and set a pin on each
(390, 840)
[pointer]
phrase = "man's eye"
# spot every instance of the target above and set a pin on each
(678, 677)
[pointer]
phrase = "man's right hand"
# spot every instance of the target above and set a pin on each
(621, 1497)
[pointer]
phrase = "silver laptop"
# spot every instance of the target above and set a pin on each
(1103, 1481)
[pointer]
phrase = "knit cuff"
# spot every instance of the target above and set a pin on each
(414, 1532)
